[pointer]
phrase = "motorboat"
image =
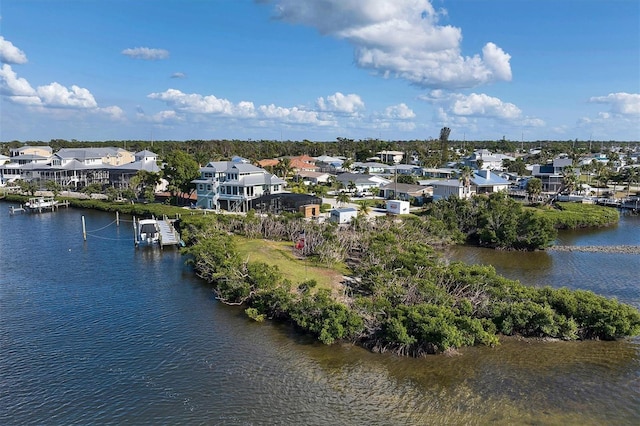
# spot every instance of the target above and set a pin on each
(148, 231)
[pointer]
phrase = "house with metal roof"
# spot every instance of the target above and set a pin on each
(482, 182)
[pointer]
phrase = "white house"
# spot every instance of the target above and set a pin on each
(370, 167)
(482, 182)
(486, 159)
(394, 157)
(313, 178)
(362, 182)
(232, 185)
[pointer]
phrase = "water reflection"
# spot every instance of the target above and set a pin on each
(108, 333)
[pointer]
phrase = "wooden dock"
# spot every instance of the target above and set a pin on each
(39, 205)
(632, 203)
(168, 234)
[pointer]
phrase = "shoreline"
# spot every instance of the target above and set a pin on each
(622, 249)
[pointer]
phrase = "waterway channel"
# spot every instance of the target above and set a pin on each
(99, 332)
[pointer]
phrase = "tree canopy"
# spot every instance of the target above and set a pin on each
(179, 170)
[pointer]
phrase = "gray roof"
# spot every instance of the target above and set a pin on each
(245, 168)
(149, 166)
(356, 178)
(27, 157)
(404, 187)
(85, 153)
(145, 153)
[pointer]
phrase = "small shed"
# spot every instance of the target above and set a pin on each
(397, 207)
(310, 210)
(343, 215)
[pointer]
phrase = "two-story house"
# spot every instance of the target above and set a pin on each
(229, 185)
(551, 174)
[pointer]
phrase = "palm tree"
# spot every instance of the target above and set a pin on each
(534, 188)
(632, 175)
(284, 168)
(465, 177)
(320, 190)
(569, 179)
(602, 179)
(343, 198)
(587, 168)
(365, 208)
(352, 186)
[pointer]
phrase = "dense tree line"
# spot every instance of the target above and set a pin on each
(495, 221)
(402, 297)
(428, 150)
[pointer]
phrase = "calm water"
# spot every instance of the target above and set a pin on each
(103, 333)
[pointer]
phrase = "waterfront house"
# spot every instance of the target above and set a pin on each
(551, 174)
(231, 186)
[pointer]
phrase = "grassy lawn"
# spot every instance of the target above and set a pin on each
(280, 254)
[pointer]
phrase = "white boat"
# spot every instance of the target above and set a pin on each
(41, 203)
(148, 231)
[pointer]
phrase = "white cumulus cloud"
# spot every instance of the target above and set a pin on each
(9, 54)
(290, 115)
(400, 111)
(199, 104)
(57, 95)
(53, 96)
(401, 38)
(146, 53)
(620, 103)
(12, 85)
(484, 105)
(338, 102)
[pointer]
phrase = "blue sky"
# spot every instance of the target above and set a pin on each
(100, 70)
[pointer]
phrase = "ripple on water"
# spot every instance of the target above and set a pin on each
(124, 336)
